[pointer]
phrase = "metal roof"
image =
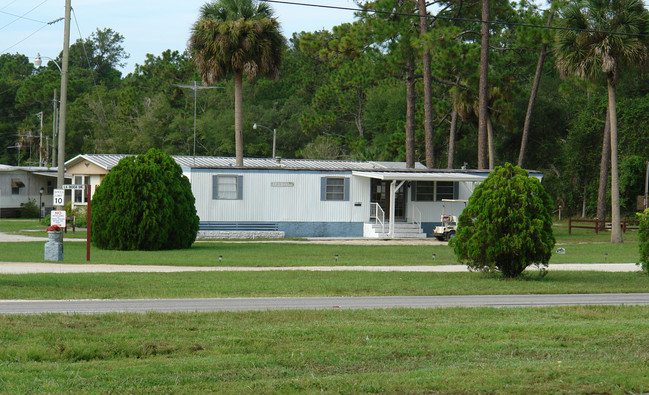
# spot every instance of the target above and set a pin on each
(108, 161)
(379, 170)
(421, 176)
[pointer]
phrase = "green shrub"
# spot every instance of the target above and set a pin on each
(144, 203)
(507, 224)
(81, 216)
(643, 236)
(29, 209)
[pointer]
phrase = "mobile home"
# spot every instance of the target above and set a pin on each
(310, 198)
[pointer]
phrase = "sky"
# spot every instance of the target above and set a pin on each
(148, 26)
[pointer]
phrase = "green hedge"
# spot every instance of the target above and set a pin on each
(144, 203)
(507, 224)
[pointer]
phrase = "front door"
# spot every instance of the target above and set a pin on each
(381, 195)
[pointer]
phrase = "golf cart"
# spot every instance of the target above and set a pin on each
(447, 229)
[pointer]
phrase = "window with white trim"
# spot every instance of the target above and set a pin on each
(227, 187)
(80, 194)
(334, 189)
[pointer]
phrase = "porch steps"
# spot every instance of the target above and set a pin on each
(402, 230)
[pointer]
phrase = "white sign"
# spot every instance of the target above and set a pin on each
(74, 186)
(59, 197)
(282, 184)
(58, 218)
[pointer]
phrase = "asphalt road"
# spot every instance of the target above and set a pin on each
(318, 303)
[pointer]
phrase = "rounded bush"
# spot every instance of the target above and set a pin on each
(144, 203)
(507, 224)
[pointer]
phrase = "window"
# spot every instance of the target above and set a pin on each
(424, 191)
(16, 184)
(428, 191)
(227, 188)
(445, 190)
(334, 189)
(80, 194)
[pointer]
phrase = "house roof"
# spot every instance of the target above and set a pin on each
(108, 161)
(378, 170)
(425, 176)
(37, 170)
(31, 169)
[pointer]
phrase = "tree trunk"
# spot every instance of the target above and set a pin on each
(603, 169)
(483, 88)
(428, 93)
(451, 139)
(238, 118)
(533, 93)
(616, 224)
(410, 113)
(490, 140)
(359, 112)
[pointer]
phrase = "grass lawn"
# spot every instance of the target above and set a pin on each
(32, 227)
(583, 246)
(300, 283)
(296, 254)
(594, 349)
(567, 350)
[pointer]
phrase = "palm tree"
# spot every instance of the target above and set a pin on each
(236, 37)
(605, 36)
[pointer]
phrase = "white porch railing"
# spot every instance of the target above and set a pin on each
(377, 213)
(416, 218)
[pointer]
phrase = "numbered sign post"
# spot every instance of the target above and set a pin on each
(59, 197)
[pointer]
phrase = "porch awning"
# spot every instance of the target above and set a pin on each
(17, 183)
(420, 176)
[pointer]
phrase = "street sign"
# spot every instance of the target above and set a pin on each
(59, 197)
(57, 217)
(74, 186)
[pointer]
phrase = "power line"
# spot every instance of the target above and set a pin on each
(10, 3)
(23, 15)
(456, 19)
(19, 17)
(19, 42)
(92, 71)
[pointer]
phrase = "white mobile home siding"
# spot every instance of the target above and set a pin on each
(431, 212)
(280, 196)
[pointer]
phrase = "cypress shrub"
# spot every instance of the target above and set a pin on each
(507, 224)
(144, 203)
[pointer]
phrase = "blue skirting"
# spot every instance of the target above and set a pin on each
(291, 229)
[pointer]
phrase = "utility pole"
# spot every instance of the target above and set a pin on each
(60, 178)
(195, 87)
(55, 118)
(40, 140)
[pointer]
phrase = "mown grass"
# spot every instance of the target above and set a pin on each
(301, 283)
(583, 246)
(33, 227)
(299, 254)
(480, 350)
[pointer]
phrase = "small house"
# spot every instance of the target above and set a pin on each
(20, 185)
(310, 198)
